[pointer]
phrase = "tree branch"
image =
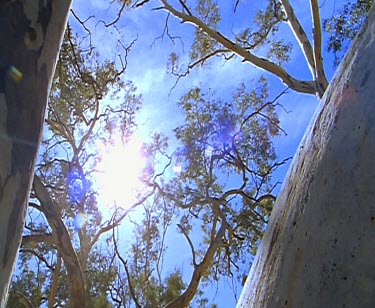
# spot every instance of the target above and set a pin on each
(185, 298)
(38, 238)
(297, 85)
(124, 263)
(55, 280)
(24, 300)
(321, 79)
(190, 243)
(76, 282)
(300, 35)
(38, 256)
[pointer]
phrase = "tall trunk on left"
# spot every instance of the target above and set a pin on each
(30, 36)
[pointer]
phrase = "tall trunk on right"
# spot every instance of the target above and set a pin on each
(319, 248)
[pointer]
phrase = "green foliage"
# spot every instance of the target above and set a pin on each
(226, 156)
(27, 287)
(232, 133)
(99, 275)
(174, 287)
(144, 265)
(224, 152)
(264, 33)
(344, 26)
(208, 12)
(89, 101)
(261, 37)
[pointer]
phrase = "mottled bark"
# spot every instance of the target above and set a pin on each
(318, 250)
(30, 36)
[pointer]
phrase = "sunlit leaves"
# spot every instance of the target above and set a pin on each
(263, 33)
(151, 286)
(90, 100)
(232, 133)
(172, 65)
(224, 144)
(99, 275)
(174, 286)
(265, 24)
(344, 26)
(27, 288)
(208, 12)
(279, 51)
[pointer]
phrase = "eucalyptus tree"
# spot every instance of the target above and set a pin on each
(317, 241)
(219, 183)
(223, 186)
(250, 46)
(90, 101)
(344, 26)
(143, 279)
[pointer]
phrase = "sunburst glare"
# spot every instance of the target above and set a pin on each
(119, 173)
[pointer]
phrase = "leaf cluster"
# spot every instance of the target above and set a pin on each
(343, 26)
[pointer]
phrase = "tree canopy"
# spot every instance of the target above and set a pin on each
(207, 187)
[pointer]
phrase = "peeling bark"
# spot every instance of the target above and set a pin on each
(318, 250)
(30, 36)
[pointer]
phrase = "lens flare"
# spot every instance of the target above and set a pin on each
(120, 169)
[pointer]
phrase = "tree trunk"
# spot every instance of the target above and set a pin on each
(64, 244)
(319, 248)
(30, 37)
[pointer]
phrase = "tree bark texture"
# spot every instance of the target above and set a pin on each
(319, 248)
(64, 244)
(30, 37)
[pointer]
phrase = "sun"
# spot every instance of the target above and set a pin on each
(119, 172)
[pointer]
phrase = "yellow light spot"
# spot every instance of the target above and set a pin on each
(15, 74)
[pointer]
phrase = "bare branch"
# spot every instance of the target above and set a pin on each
(28, 240)
(118, 16)
(82, 22)
(185, 298)
(140, 3)
(40, 257)
(166, 32)
(190, 243)
(321, 79)
(297, 85)
(185, 7)
(124, 263)
(300, 35)
(259, 111)
(236, 4)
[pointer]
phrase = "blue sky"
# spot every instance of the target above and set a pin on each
(147, 68)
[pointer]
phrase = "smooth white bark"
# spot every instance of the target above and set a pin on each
(319, 248)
